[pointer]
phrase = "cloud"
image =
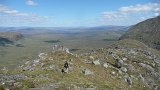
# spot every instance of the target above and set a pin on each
(141, 8)
(131, 14)
(11, 16)
(31, 3)
(112, 14)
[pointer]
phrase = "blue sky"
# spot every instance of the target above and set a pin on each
(75, 13)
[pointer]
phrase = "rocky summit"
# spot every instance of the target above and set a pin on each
(119, 67)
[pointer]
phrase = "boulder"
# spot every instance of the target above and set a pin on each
(128, 79)
(124, 59)
(87, 72)
(124, 69)
(113, 73)
(119, 63)
(105, 65)
(96, 62)
(91, 57)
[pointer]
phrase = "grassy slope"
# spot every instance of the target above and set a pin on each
(102, 77)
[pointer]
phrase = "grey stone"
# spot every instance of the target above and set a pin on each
(87, 72)
(124, 59)
(128, 79)
(91, 57)
(124, 69)
(51, 67)
(119, 63)
(18, 84)
(105, 65)
(96, 62)
(142, 65)
(148, 67)
(141, 78)
(113, 73)
(130, 67)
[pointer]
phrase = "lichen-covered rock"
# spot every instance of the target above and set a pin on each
(96, 62)
(128, 79)
(124, 69)
(105, 65)
(87, 71)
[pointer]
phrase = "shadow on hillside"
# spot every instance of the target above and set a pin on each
(52, 41)
(4, 41)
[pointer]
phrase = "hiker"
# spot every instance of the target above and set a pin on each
(66, 66)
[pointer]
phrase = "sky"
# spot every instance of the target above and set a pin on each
(76, 13)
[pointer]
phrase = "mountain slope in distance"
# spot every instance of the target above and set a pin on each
(147, 32)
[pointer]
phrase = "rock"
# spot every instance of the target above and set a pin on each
(50, 58)
(110, 52)
(42, 64)
(87, 72)
(96, 62)
(27, 62)
(36, 61)
(10, 82)
(29, 68)
(119, 63)
(140, 77)
(60, 48)
(128, 79)
(113, 73)
(18, 84)
(142, 65)
(148, 67)
(4, 70)
(157, 87)
(65, 70)
(51, 67)
(91, 57)
(42, 56)
(130, 67)
(105, 65)
(124, 59)
(119, 71)
(67, 50)
(133, 52)
(124, 69)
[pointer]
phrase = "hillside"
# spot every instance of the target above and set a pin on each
(9, 37)
(147, 32)
(41, 39)
(122, 66)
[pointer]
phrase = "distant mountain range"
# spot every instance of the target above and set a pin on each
(33, 30)
(147, 32)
